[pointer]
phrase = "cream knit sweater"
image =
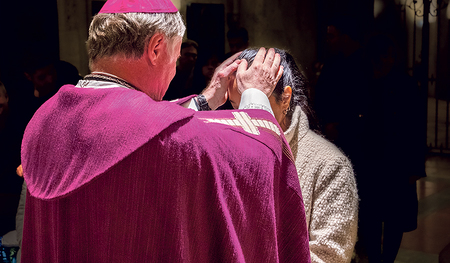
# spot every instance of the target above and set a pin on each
(329, 192)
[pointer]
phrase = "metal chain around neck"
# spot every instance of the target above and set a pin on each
(101, 76)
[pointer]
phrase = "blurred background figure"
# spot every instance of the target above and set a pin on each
(341, 78)
(371, 108)
(208, 68)
(204, 70)
(3, 105)
(43, 78)
(343, 36)
(46, 77)
(10, 183)
(237, 40)
(42, 74)
(388, 124)
(181, 84)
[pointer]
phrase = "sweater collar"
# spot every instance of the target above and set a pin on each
(299, 124)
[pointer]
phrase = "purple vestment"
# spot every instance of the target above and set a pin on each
(114, 176)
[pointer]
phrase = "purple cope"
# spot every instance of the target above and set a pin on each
(114, 176)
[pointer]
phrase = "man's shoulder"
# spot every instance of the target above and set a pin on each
(121, 108)
(96, 128)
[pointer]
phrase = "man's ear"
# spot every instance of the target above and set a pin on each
(286, 97)
(155, 47)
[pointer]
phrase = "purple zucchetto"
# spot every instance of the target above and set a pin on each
(139, 6)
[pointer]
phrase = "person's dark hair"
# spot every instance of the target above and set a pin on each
(293, 77)
(67, 73)
(238, 33)
(33, 63)
(189, 43)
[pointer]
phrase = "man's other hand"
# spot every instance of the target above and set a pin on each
(263, 74)
(19, 171)
(216, 92)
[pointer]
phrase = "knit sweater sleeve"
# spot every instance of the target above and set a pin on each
(334, 212)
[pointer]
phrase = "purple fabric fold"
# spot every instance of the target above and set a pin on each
(84, 131)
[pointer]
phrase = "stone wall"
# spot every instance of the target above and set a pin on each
(73, 21)
(290, 25)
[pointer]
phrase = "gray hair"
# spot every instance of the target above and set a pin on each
(129, 33)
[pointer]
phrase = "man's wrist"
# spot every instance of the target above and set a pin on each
(210, 93)
(202, 103)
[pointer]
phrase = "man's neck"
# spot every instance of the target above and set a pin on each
(133, 71)
(119, 67)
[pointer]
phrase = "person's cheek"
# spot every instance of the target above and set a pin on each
(231, 96)
(236, 93)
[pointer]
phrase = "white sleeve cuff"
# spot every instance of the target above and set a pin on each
(255, 99)
(192, 105)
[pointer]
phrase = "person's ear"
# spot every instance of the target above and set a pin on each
(155, 47)
(286, 98)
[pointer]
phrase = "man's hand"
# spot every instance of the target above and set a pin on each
(263, 74)
(216, 92)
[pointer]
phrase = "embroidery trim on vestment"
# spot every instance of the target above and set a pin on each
(243, 120)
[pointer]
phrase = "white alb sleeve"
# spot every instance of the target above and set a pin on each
(251, 99)
(255, 99)
(192, 105)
